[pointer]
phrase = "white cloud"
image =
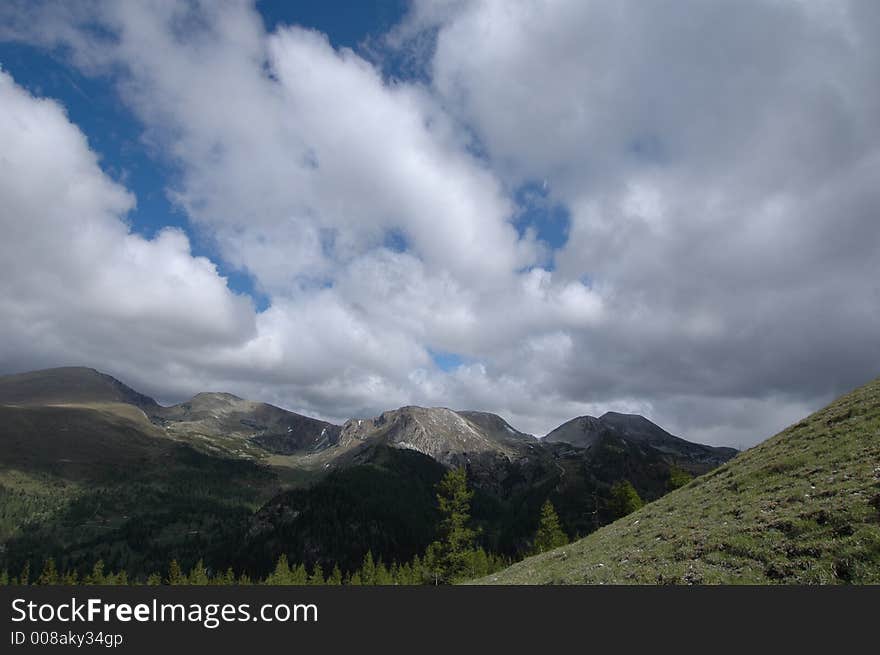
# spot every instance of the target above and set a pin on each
(70, 263)
(715, 158)
(297, 158)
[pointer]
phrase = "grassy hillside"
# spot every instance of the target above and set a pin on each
(77, 442)
(802, 507)
(68, 385)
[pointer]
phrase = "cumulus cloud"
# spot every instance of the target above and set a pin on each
(74, 278)
(717, 162)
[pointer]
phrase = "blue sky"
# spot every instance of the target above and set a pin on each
(115, 134)
(346, 24)
(93, 104)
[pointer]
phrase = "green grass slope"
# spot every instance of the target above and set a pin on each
(68, 385)
(803, 507)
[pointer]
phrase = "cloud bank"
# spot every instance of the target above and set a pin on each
(717, 164)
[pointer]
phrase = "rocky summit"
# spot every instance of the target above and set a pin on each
(440, 433)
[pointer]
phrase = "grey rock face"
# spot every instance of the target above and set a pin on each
(438, 432)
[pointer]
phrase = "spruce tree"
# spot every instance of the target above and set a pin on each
(382, 577)
(317, 576)
(299, 575)
(96, 577)
(49, 576)
(433, 569)
(282, 574)
(413, 573)
(335, 577)
(417, 571)
(624, 498)
(550, 534)
(479, 563)
(368, 569)
(497, 562)
(678, 478)
(198, 575)
(25, 578)
(175, 575)
(449, 556)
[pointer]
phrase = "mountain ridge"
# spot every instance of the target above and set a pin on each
(66, 385)
(225, 423)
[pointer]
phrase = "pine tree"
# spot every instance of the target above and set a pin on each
(408, 573)
(282, 574)
(678, 478)
(417, 572)
(497, 562)
(355, 579)
(49, 576)
(449, 556)
(550, 534)
(317, 576)
(154, 580)
(175, 575)
(479, 565)
(299, 576)
(4, 578)
(96, 577)
(25, 578)
(381, 577)
(228, 578)
(368, 569)
(433, 570)
(335, 576)
(624, 498)
(198, 575)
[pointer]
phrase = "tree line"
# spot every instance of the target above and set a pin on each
(453, 557)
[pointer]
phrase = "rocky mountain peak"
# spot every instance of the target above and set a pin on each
(438, 432)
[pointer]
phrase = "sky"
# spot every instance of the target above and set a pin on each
(539, 209)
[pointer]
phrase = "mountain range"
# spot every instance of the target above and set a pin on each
(224, 423)
(88, 466)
